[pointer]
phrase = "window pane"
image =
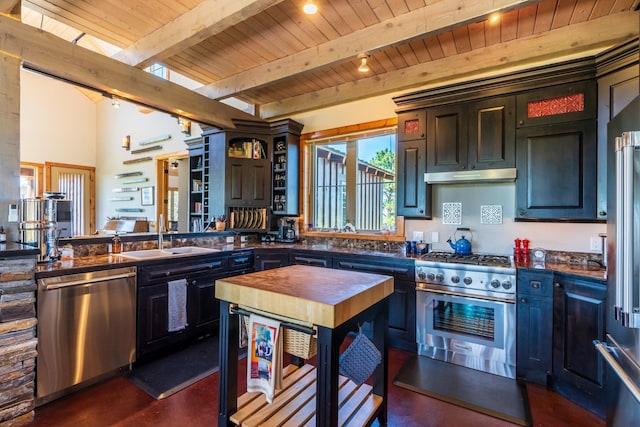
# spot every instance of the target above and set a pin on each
(371, 198)
(330, 185)
(375, 186)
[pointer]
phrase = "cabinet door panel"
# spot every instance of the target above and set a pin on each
(235, 181)
(557, 171)
(402, 315)
(579, 318)
(203, 308)
(446, 138)
(491, 134)
(534, 345)
(413, 198)
(258, 184)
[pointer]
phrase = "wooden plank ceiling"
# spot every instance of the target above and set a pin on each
(269, 53)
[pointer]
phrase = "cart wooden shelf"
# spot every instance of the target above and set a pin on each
(336, 302)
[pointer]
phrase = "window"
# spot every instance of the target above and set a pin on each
(30, 180)
(159, 70)
(354, 181)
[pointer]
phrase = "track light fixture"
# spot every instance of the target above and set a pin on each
(310, 7)
(185, 124)
(126, 142)
(363, 68)
(114, 102)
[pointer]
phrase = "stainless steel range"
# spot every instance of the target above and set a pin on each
(466, 311)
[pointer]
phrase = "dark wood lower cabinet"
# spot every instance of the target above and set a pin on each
(270, 258)
(203, 309)
(559, 316)
(535, 325)
(579, 318)
(402, 315)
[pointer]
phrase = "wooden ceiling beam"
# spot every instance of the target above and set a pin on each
(546, 47)
(46, 53)
(435, 17)
(206, 20)
(11, 7)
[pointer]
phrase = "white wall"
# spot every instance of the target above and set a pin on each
(112, 125)
(57, 122)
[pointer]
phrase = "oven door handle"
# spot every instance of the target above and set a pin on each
(461, 295)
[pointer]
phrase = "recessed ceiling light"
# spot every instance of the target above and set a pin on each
(310, 7)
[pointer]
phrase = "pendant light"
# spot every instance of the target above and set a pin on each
(363, 68)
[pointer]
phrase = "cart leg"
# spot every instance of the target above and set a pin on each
(380, 374)
(228, 360)
(327, 378)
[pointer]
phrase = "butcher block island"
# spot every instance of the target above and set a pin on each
(333, 303)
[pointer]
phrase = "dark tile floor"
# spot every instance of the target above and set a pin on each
(117, 402)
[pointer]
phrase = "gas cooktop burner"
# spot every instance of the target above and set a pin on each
(474, 259)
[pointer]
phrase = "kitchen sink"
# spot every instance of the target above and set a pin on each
(167, 253)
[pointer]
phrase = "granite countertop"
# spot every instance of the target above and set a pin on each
(11, 250)
(108, 261)
(588, 271)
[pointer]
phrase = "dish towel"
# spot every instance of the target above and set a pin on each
(264, 366)
(177, 307)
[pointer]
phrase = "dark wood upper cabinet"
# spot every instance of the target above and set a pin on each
(557, 171)
(447, 138)
(472, 135)
(558, 104)
(413, 197)
(411, 125)
(492, 133)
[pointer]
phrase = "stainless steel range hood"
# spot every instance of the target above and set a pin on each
(484, 175)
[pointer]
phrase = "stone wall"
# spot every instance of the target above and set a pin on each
(18, 340)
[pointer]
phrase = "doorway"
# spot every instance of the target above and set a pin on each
(78, 184)
(172, 196)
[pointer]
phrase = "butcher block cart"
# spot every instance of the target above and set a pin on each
(333, 303)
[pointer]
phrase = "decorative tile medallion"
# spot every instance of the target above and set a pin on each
(452, 213)
(491, 214)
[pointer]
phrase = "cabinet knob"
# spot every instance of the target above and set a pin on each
(602, 213)
(194, 281)
(523, 300)
(557, 284)
(521, 213)
(521, 122)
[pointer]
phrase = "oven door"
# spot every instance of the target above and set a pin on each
(477, 333)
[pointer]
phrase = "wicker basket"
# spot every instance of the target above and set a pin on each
(295, 343)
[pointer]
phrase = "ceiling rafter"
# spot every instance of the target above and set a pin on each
(576, 40)
(400, 29)
(205, 20)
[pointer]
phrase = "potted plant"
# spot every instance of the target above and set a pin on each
(221, 223)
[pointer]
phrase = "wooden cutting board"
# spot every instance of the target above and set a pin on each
(316, 295)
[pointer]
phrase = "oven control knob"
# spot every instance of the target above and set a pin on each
(439, 277)
(506, 284)
(431, 276)
(455, 279)
(495, 283)
(422, 275)
(467, 280)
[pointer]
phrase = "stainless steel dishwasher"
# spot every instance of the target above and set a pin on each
(86, 328)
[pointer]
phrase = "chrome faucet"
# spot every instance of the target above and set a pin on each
(161, 230)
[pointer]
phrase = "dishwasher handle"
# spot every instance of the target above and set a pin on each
(71, 283)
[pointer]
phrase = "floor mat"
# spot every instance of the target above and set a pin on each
(169, 374)
(490, 394)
